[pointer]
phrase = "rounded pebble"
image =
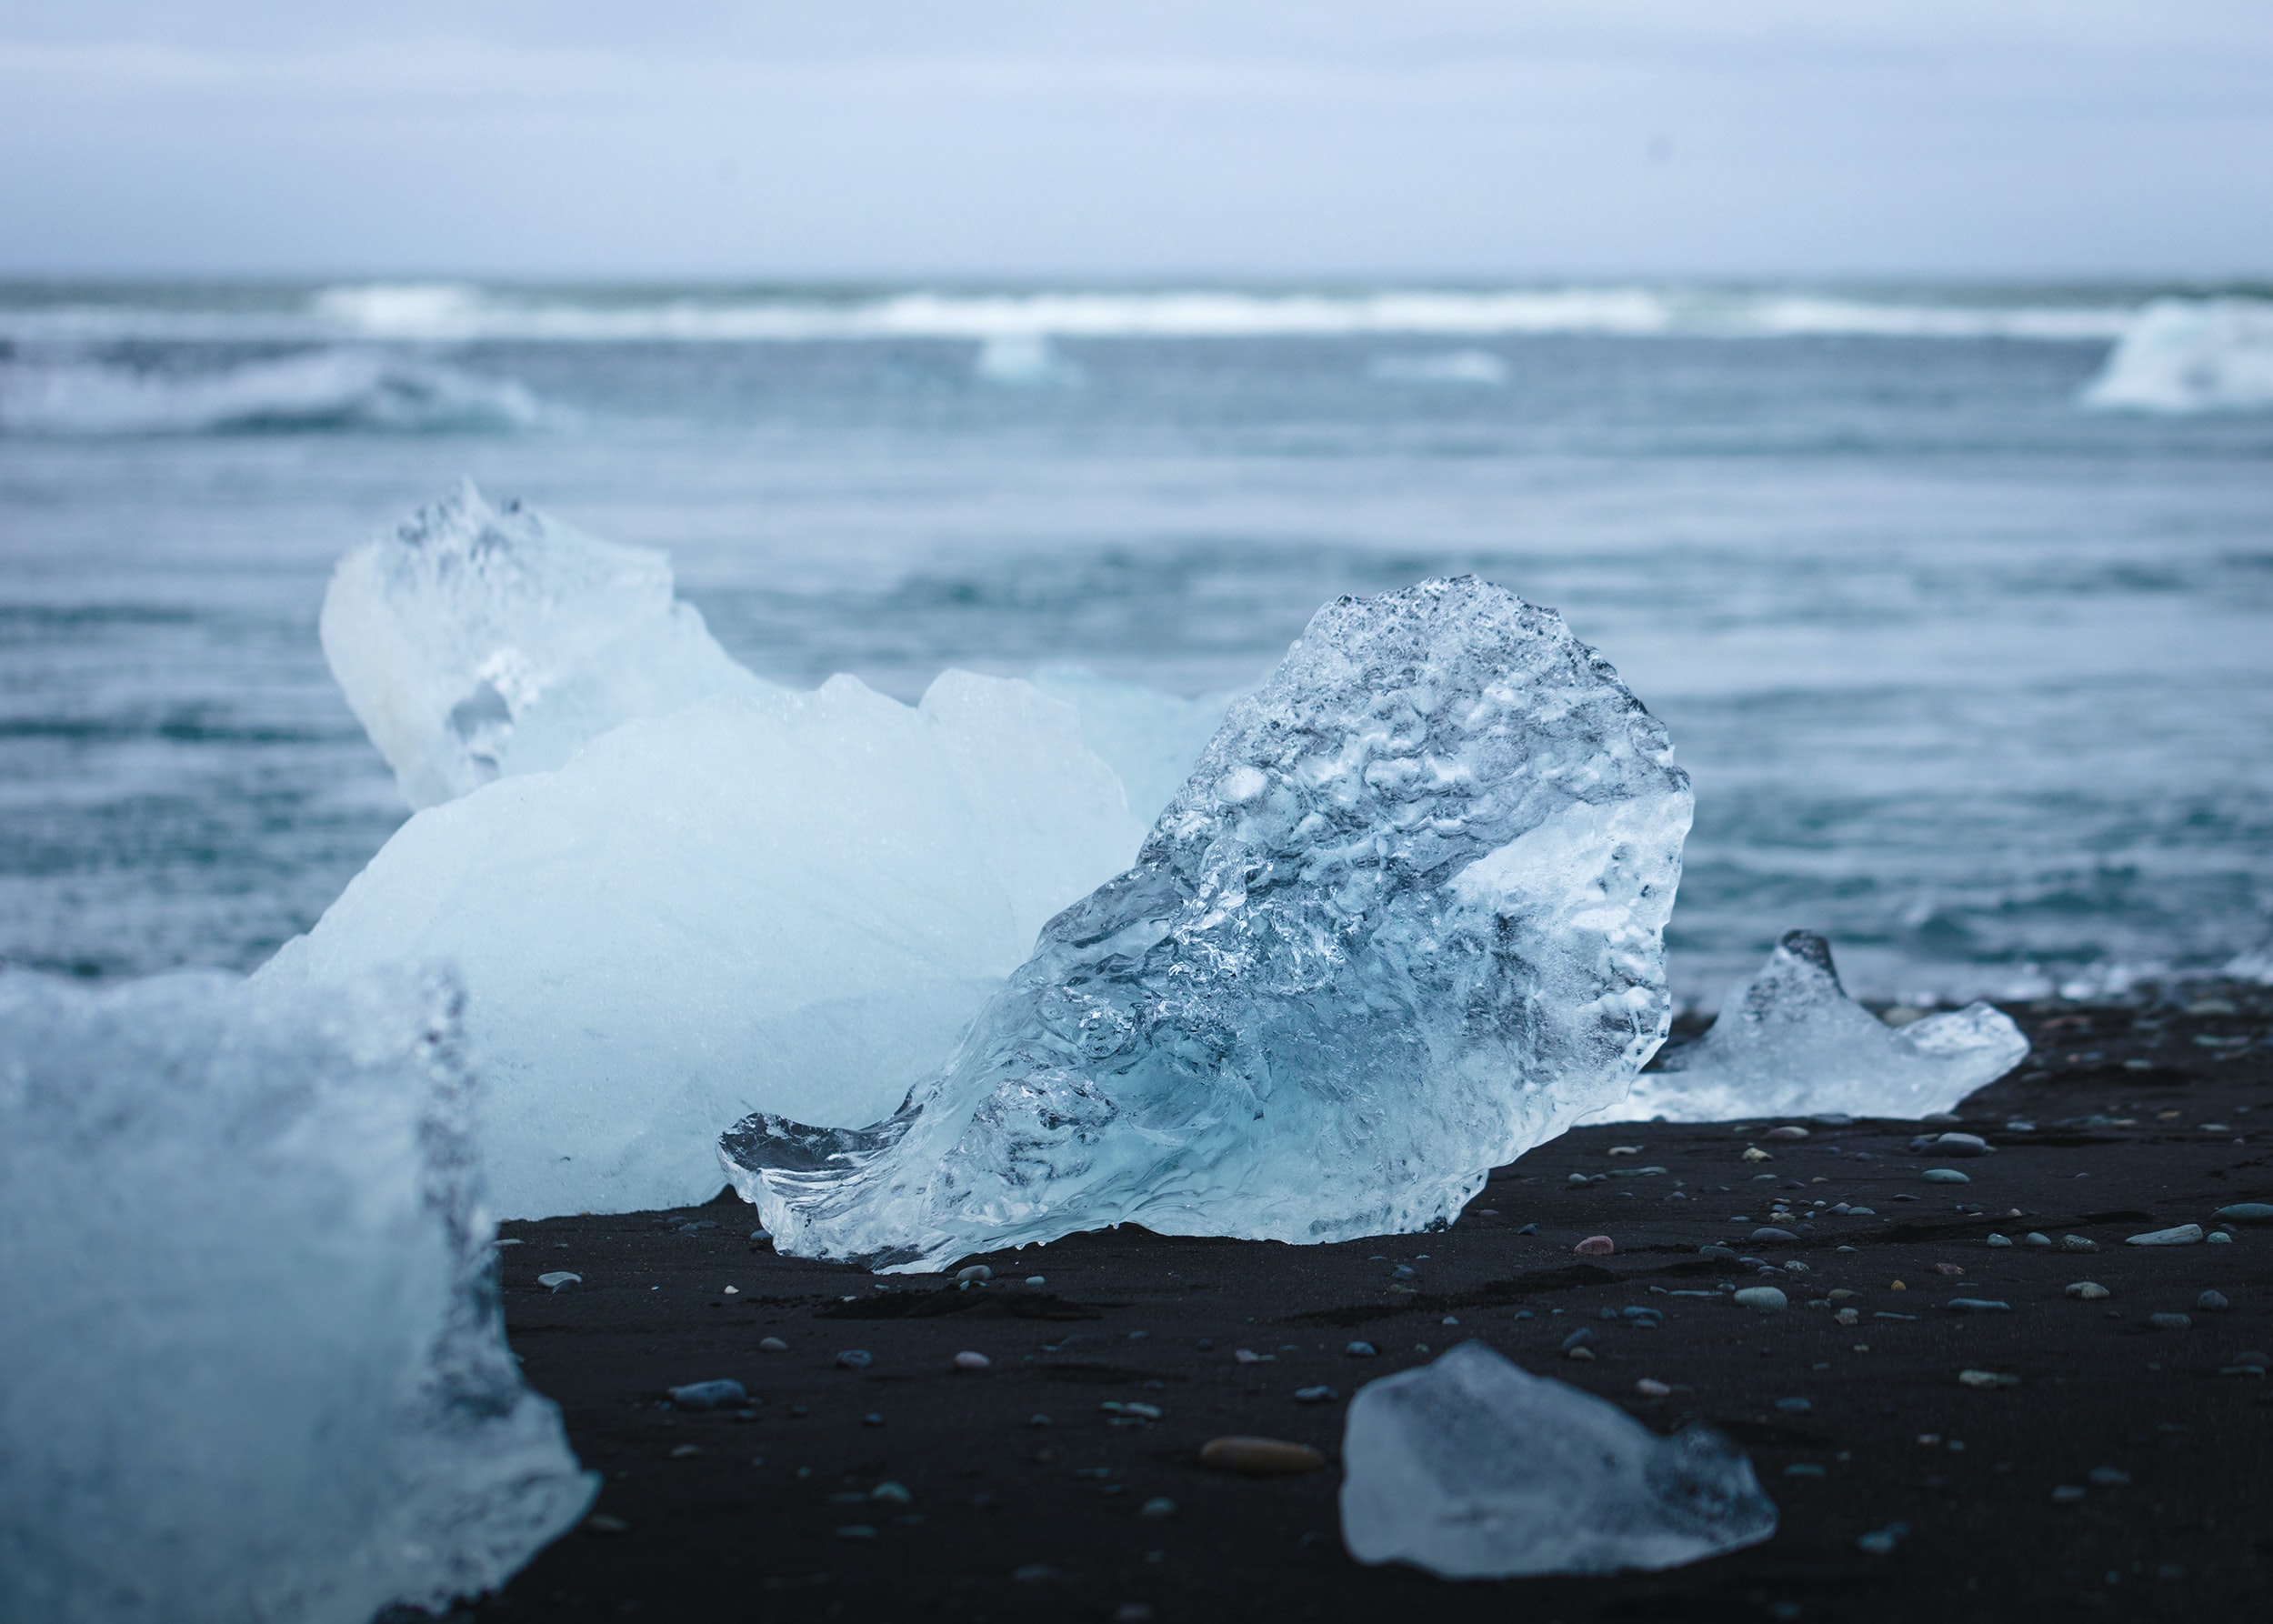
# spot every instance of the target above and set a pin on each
(2171, 1322)
(2180, 1235)
(2067, 1494)
(976, 1273)
(1594, 1245)
(2212, 1302)
(1315, 1394)
(772, 1345)
(560, 1280)
(2000, 1240)
(2090, 1291)
(855, 1358)
(892, 1494)
(2037, 1239)
(1767, 1298)
(1160, 1505)
(1978, 1304)
(2077, 1243)
(1774, 1236)
(1789, 1131)
(1946, 1176)
(1794, 1406)
(2247, 1212)
(710, 1395)
(1036, 1280)
(1361, 1350)
(1650, 1388)
(2108, 1477)
(967, 1360)
(2218, 1237)
(1260, 1457)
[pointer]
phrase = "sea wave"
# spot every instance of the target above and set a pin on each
(360, 389)
(2187, 356)
(448, 312)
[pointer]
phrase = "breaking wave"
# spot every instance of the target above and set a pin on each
(2185, 355)
(319, 390)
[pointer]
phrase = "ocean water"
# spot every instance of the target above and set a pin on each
(1972, 677)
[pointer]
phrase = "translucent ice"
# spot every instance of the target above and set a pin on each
(251, 1365)
(1150, 739)
(476, 642)
(1790, 1042)
(1403, 923)
(2191, 356)
(766, 901)
(1472, 1467)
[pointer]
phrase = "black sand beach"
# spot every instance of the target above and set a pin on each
(2127, 1472)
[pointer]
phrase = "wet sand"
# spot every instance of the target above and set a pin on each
(2142, 1119)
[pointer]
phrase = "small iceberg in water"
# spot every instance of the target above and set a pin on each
(1472, 1467)
(2187, 356)
(1403, 922)
(1472, 367)
(1023, 360)
(1789, 1042)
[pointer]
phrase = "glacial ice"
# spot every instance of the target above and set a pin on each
(1150, 739)
(2181, 355)
(252, 1364)
(1472, 1467)
(1789, 1042)
(766, 901)
(1403, 922)
(476, 642)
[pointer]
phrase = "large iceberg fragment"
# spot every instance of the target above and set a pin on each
(2190, 356)
(252, 1364)
(1789, 1042)
(766, 901)
(1404, 922)
(1150, 739)
(1473, 1468)
(476, 642)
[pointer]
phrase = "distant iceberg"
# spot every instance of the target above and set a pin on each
(313, 391)
(2185, 356)
(1403, 922)
(1024, 360)
(1789, 1042)
(476, 642)
(252, 1364)
(1472, 367)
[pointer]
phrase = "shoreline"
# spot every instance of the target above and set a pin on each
(1006, 1517)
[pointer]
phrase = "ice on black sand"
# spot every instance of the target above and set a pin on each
(1472, 1467)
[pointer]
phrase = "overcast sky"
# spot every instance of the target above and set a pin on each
(1153, 138)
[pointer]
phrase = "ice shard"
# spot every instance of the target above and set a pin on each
(1403, 922)
(1472, 1467)
(2185, 356)
(765, 901)
(1789, 1042)
(476, 642)
(252, 1364)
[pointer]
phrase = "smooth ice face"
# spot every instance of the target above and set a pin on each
(2190, 356)
(252, 1364)
(766, 901)
(1472, 1467)
(1150, 739)
(1791, 1043)
(474, 643)
(1403, 923)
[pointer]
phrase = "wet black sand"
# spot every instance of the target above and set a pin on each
(770, 1514)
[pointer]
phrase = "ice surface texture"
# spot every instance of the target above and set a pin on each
(251, 1365)
(1150, 739)
(1472, 1467)
(1404, 922)
(766, 901)
(2191, 356)
(476, 642)
(1790, 1043)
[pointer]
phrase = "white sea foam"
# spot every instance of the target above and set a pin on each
(329, 388)
(2185, 355)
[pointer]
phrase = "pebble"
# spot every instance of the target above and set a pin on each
(1581, 1338)
(1788, 1131)
(2067, 1494)
(2247, 1212)
(2171, 1322)
(600, 1522)
(856, 1531)
(855, 1358)
(1986, 1379)
(560, 1280)
(1650, 1388)
(1316, 1395)
(2090, 1291)
(2218, 1237)
(1247, 1356)
(1952, 1144)
(973, 1275)
(2108, 1477)
(1036, 1280)
(686, 1451)
(872, 1419)
(1945, 1175)
(1576, 1353)
(1794, 1407)
(1403, 1271)
(2000, 1240)
(1773, 1236)
(772, 1345)
(1753, 1153)
(2037, 1238)
(1716, 1251)
(893, 1494)
(710, 1395)
(1881, 1542)
(2076, 1243)
(1978, 1304)
(1767, 1298)
(761, 1235)
(1594, 1245)
(2212, 1302)
(1033, 1573)
(1160, 1505)
(1260, 1457)
(1361, 1350)
(1803, 1468)
(967, 1360)
(2182, 1235)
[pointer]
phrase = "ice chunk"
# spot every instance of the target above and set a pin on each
(2190, 356)
(1473, 1468)
(767, 901)
(1791, 1043)
(1403, 923)
(1150, 739)
(477, 642)
(1024, 360)
(252, 1364)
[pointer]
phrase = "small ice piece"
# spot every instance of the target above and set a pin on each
(2182, 355)
(252, 1364)
(766, 901)
(1024, 361)
(474, 642)
(1472, 1467)
(1404, 922)
(1791, 1043)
